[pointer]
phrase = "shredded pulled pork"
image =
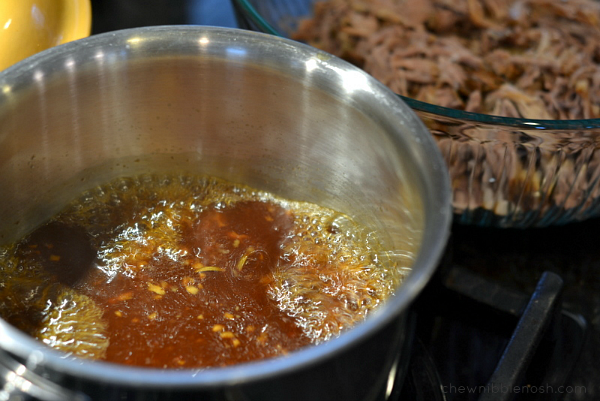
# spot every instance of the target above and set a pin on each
(535, 59)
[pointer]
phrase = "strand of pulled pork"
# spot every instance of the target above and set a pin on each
(517, 58)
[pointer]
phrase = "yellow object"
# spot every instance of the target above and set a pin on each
(30, 26)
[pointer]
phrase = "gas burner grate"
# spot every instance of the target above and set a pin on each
(479, 341)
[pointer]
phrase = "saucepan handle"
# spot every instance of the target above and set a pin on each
(20, 383)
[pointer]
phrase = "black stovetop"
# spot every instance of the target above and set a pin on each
(516, 259)
(489, 340)
(470, 311)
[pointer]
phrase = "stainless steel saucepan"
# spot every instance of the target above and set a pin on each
(250, 108)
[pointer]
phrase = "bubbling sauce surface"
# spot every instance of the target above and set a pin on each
(190, 272)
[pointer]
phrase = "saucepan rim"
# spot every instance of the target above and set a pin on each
(436, 185)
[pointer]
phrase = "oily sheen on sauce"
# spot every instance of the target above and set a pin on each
(179, 271)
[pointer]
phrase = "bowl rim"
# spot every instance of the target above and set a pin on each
(247, 9)
(436, 232)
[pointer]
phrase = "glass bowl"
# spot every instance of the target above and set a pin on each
(506, 172)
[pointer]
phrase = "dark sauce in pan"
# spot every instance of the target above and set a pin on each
(190, 272)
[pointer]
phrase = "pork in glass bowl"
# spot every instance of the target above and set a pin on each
(510, 91)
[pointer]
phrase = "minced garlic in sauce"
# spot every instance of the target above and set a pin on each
(188, 272)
